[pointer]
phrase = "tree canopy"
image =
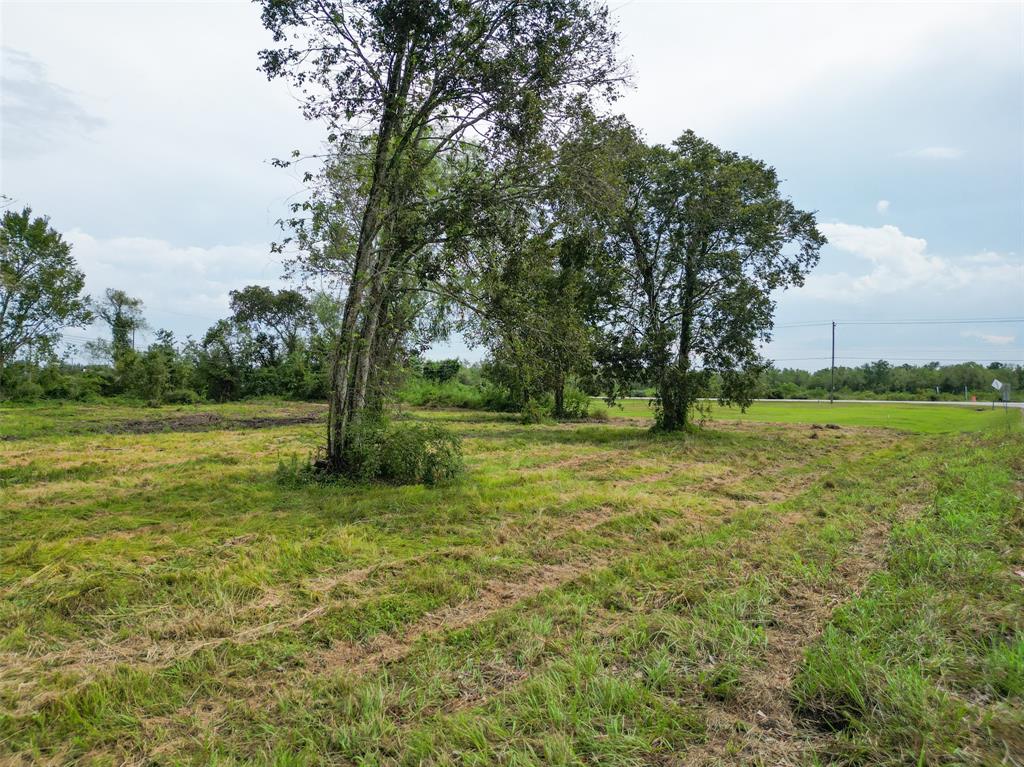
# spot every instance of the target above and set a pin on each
(40, 285)
(704, 238)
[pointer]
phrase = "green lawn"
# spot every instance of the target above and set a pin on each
(588, 594)
(930, 419)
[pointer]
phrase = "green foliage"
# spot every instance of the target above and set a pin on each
(706, 239)
(415, 453)
(123, 315)
(40, 287)
(882, 380)
(182, 397)
(404, 454)
(533, 412)
(441, 371)
(392, 453)
(422, 392)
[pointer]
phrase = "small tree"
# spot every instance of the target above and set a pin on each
(123, 315)
(40, 285)
(705, 237)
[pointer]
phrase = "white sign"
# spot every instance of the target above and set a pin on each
(997, 384)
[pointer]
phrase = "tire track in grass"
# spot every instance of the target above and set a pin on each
(91, 661)
(759, 725)
(496, 595)
(385, 651)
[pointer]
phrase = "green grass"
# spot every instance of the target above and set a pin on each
(912, 670)
(927, 419)
(586, 594)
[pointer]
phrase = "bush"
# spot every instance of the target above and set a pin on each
(406, 454)
(181, 397)
(533, 412)
(27, 391)
(575, 403)
(411, 454)
(423, 393)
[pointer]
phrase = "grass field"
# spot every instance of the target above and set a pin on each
(762, 592)
(929, 419)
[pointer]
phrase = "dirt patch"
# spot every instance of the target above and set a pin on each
(194, 422)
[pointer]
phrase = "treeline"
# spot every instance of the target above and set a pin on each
(272, 344)
(883, 380)
(279, 343)
(479, 386)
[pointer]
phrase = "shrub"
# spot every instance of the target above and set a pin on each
(181, 397)
(533, 412)
(27, 391)
(405, 454)
(575, 403)
(421, 392)
(411, 454)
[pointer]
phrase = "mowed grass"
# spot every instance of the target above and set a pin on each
(923, 419)
(586, 594)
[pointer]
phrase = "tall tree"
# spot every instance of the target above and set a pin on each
(123, 315)
(403, 84)
(40, 285)
(705, 237)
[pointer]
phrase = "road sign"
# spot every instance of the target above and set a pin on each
(997, 384)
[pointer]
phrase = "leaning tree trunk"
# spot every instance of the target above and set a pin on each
(348, 377)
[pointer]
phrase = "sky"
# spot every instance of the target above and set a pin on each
(145, 132)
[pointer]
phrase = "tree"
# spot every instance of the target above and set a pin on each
(440, 80)
(543, 309)
(441, 371)
(276, 317)
(705, 238)
(123, 315)
(40, 285)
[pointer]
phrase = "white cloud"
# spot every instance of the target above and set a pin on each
(901, 264)
(989, 338)
(988, 257)
(182, 287)
(936, 153)
(761, 65)
(882, 206)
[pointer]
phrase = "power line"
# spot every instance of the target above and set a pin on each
(928, 321)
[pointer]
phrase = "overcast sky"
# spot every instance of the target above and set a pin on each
(144, 130)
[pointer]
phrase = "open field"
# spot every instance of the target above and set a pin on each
(761, 592)
(931, 419)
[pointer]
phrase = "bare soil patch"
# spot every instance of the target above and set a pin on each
(195, 422)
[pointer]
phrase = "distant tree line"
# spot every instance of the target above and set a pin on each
(278, 343)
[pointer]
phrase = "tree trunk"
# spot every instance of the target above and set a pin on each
(345, 409)
(686, 396)
(560, 398)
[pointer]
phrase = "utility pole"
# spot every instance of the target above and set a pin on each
(832, 387)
